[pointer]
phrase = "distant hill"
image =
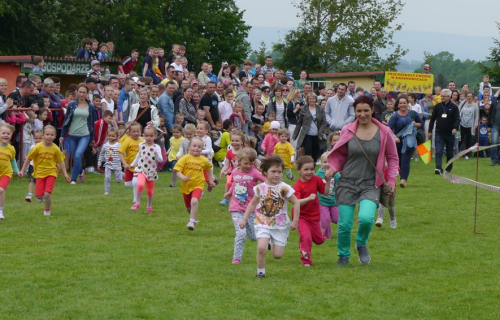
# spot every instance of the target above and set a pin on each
(463, 47)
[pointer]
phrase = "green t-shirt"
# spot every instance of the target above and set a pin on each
(78, 126)
(224, 142)
(328, 201)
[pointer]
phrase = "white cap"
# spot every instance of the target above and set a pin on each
(135, 79)
(275, 125)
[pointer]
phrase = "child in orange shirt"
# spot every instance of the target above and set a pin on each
(128, 151)
(46, 156)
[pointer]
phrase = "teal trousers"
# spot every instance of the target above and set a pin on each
(366, 216)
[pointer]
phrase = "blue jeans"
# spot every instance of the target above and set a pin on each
(77, 146)
(404, 161)
(494, 140)
(441, 142)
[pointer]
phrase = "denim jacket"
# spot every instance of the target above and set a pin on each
(166, 107)
(68, 117)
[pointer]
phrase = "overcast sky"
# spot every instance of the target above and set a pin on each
(461, 17)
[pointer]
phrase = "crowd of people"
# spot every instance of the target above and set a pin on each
(255, 124)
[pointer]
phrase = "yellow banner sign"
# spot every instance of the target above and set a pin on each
(409, 82)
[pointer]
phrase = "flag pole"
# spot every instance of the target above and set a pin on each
(477, 179)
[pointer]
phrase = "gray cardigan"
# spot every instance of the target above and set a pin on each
(304, 122)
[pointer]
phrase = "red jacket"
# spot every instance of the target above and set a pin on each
(100, 131)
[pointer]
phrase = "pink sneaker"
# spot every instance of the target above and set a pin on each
(149, 210)
(236, 261)
(135, 206)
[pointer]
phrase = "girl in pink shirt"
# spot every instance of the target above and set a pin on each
(271, 139)
(244, 179)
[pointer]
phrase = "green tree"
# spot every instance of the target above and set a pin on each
(296, 51)
(259, 56)
(211, 30)
(343, 35)
(491, 67)
(446, 68)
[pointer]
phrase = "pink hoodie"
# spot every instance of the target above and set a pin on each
(338, 156)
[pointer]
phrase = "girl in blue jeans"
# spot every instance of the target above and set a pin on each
(78, 129)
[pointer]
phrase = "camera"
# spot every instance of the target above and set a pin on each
(224, 63)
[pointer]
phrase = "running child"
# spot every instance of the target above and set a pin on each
(271, 116)
(392, 211)
(193, 169)
(160, 140)
(202, 132)
(37, 138)
(271, 213)
(127, 152)
(307, 187)
(8, 164)
(145, 164)
(271, 139)
(111, 159)
(231, 160)
(189, 133)
(175, 145)
(285, 150)
(245, 178)
(46, 157)
(328, 209)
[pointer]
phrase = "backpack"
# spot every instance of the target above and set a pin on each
(216, 139)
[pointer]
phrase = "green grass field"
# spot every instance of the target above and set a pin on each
(96, 259)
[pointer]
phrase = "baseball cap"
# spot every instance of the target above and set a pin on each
(95, 62)
(135, 79)
(275, 125)
(194, 82)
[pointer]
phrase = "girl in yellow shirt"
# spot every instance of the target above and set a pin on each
(128, 151)
(193, 170)
(46, 156)
(8, 164)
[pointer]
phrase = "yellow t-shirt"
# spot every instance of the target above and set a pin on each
(123, 138)
(175, 145)
(7, 154)
(45, 160)
(285, 151)
(267, 126)
(129, 148)
(192, 167)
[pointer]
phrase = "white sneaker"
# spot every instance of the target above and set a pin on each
(1, 215)
(379, 222)
(466, 158)
(46, 213)
(106, 193)
(191, 225)
(393, 223)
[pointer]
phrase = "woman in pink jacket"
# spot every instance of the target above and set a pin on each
(360, 182)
